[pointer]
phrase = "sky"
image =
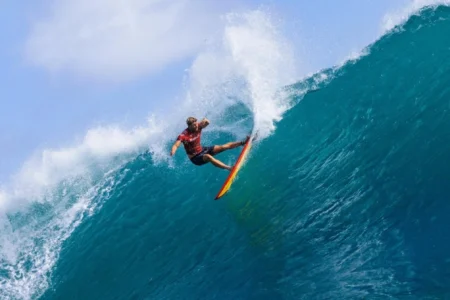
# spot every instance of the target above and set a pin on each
(70, 65)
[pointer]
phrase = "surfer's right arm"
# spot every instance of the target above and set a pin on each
(175, 147)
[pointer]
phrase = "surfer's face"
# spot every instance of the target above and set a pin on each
(193, 127)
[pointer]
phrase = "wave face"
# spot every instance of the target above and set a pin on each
(343, 197)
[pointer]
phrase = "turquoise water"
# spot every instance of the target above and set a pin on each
(347, 199)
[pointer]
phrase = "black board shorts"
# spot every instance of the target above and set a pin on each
(198, 159)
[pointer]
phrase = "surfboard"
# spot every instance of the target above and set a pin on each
(237, 166)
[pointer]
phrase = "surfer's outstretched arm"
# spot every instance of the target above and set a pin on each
(175, 147)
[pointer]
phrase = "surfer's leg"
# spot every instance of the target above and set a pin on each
(228, 146)
(217, 163)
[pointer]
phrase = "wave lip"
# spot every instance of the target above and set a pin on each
(398, 18)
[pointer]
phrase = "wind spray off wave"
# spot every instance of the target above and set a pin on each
(249, 66)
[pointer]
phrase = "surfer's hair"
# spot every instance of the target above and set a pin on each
(190, 121)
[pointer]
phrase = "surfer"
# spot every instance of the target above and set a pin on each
(197, 153)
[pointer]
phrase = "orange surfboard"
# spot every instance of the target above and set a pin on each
(231, 177)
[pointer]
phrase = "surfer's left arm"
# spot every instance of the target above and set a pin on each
(204, 122)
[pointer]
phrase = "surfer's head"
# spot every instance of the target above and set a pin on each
(192, 124)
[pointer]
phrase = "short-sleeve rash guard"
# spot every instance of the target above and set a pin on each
(191, 141)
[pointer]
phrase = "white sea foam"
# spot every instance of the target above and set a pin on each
(49, 197)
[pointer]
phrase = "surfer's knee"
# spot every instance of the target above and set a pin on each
(207, 157)
(219, 148)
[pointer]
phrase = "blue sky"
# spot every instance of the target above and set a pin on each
(69, 66)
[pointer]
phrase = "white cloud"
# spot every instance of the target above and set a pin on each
(119, 39)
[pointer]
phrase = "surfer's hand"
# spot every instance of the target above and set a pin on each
(204, 122)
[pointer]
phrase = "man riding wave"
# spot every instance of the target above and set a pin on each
(198, 154)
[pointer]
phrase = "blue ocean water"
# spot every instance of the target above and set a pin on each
(346, 199)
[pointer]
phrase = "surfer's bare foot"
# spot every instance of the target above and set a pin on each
(229, 168)
(245, 141)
